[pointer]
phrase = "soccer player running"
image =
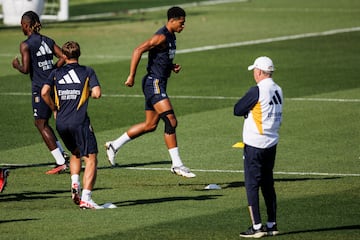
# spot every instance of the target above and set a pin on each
(37, 53)
(73, 85)
(161, 47)
(262, 108)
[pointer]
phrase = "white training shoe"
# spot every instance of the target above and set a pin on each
(110, 152)
(182, 171)
(89, 205)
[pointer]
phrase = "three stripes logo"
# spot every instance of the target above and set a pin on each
(276, 99)
(43, 50)
(70, 78)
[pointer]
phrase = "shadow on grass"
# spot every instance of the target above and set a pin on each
(165, 199)
(15, 197)
(19, 220)
(351, 227)
(240, 184)
(132, 165)
(26, 196)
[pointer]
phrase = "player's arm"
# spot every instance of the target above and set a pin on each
(24, 66)
(154, 41)
(247, 102)
(96, 92)
(58, 53)
(176, 68)
(46, 96)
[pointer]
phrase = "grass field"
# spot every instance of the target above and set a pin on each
(317, 168)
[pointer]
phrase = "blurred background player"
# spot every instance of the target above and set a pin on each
(73, 85)
(261, 107)
(4, 173)
(37, 53)
(161, 47)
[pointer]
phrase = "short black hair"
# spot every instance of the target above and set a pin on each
(175, 12)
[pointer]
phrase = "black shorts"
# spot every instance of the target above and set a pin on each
(40, 109)
(79, 139)
(154, 91)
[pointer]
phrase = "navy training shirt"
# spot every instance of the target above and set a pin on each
(41, 50)
(160, 61)
(73, 83)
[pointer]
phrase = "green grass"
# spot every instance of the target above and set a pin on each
(316, 137)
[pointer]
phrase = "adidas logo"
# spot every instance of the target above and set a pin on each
(43, 50)
(276, 99)
(70, 78)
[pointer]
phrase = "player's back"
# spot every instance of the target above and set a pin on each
(41, 50)
(73, 83)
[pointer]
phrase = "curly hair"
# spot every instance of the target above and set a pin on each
(34, 20)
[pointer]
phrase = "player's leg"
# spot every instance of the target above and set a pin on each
(166, 113)
(149, 125)
(75, 169)
(89, 177)
(268, 190)
(252, 169)
(42, 114)
(49, 138)
(89, 180)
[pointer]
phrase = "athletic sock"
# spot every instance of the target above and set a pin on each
(257, 226)
(86, 195)
(270, 224)
(175, 157)
(59, 158)
(75, 178)
(60, 146)
(121, 141)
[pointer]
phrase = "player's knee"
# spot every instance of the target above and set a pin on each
(170, 121)
(39, 124)
(150, 128)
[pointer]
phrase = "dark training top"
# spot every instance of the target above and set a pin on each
(72, 85)
(41, 50)
(160, 61)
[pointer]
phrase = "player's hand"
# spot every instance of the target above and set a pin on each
(130, 81)
(176, 68)
(16, 62)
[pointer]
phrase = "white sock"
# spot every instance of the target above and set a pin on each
(257, 226)
(86, 195)
(121, 141)
(59, 158)
(75, 178)
(60, 146)
(175, 157)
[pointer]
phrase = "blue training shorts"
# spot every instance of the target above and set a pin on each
(154, 91)
(78, 138)
(40, 109)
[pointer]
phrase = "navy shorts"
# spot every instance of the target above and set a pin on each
(154, 91)
(79, 139)
(40, 109)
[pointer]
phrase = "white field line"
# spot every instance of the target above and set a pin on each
(203, 97)
(154, 9)
(206, 170)
(241, 171)
(230, 45)
(269, 40)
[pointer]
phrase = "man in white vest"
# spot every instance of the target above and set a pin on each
(261, 107)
